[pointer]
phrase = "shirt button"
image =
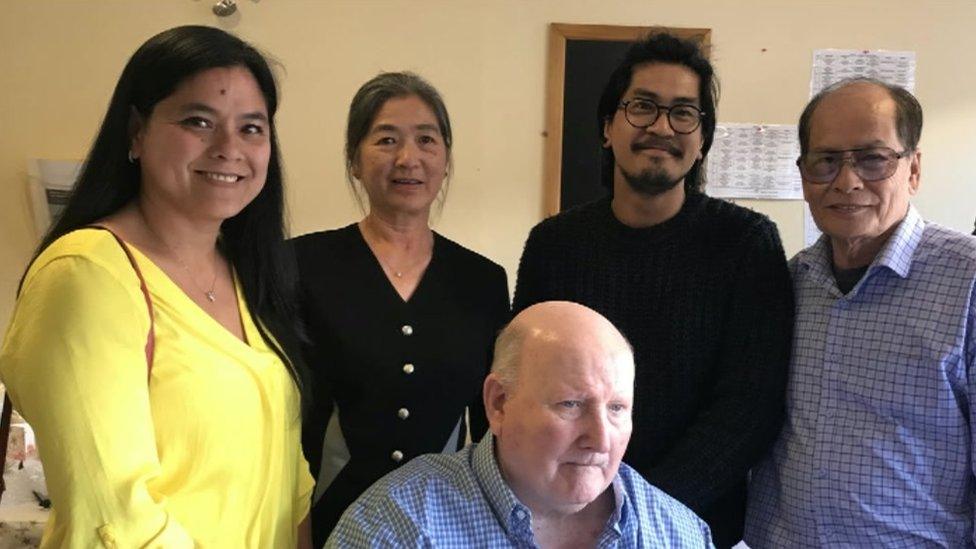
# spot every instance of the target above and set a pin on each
(107, 533)
(403, 413)
(408, 368)
(821, 472)
(396, 456)
(407, 330)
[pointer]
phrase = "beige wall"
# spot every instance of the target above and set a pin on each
(59, 60)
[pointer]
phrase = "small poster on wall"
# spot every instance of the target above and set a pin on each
(810, 231)
(50, 183)
(754, 161)
(893, 67)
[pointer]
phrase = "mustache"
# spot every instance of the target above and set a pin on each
(655, 142)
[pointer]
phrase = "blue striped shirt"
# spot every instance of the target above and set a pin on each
(461, 500)
(878, 443)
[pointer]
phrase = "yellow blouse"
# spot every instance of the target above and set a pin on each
(206, 453)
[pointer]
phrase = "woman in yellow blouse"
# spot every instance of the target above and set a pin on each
(185, 171)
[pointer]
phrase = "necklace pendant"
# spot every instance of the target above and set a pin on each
(210, 295)
(398, 274)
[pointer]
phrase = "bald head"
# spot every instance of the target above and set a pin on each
(563, 324)
(562, 418)
(870, 94)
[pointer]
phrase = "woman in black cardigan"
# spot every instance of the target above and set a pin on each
(401, 320)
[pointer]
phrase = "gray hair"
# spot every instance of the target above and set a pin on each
(371, 97)
(508, 347)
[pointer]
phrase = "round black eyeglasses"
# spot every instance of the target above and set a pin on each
(641, 113)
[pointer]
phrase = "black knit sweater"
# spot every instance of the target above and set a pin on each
(706, 301)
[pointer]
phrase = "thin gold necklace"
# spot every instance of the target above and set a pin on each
(209, 294)
(398, 273)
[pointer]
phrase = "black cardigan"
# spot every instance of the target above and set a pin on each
(706, 301)
(369, 367)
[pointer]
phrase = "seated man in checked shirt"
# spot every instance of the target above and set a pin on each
(548, 474)
(877, 449)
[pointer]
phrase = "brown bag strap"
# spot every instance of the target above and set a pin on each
(151, 337)
(8, 406)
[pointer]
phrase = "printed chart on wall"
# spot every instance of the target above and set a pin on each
(754, 161)
(893, 67)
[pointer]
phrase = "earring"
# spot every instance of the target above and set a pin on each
(132, 157)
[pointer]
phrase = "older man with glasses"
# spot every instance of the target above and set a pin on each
(878, 447)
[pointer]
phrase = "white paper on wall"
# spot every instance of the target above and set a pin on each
(50, 184)
(754, 161)
(893, 67)
(810, 231)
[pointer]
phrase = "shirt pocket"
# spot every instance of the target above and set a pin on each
(912, 387)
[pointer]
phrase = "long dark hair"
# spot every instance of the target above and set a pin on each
(252, 240)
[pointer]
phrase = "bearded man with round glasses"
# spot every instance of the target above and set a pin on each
(881, 419)
(699, 286)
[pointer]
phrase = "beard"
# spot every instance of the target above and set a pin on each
(651, 182)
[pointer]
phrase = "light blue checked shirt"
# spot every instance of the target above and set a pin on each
(877, 449)
(461, 500)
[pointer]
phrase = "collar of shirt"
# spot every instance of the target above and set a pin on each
(896, 254)
(621, 509)
(514, 516)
